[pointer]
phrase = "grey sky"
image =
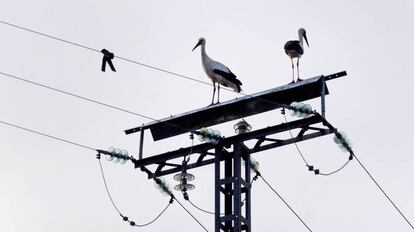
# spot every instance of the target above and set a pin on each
(48, 185)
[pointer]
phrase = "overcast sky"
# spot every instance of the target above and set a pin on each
(48, 185)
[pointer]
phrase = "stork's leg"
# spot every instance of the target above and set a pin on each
(218, 93)
(293, 71)
(214, 92)
(297, 66)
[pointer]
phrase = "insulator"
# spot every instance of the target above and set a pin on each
(210, 133)
(294, 113)
(254, 165)
(293, 110)
(189, 177)
(109, 157)
(343, 148)
(184, 187)
(203, 134)
(209, 136)
(118, 151)
(117, 159)
(300, 110)
(216, 134)
(163, 186)
(343, 142)
(308, 109)
(294, 104)
(111, 150)
(123, 160)
(214, 141)
(242, 127)
(301, 114)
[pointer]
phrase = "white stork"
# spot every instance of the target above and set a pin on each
(217, 72)
(294, 49)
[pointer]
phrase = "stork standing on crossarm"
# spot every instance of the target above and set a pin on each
(217, 72)
(294, 49)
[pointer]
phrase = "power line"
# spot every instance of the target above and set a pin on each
(138, 63)
(281, 198)
(202, 210)
(47, 135)
(292, 139)
(100, 165)
(74, 95)
(127, 111)
(337, 170)
(310, 167)
(168, 72)
(90, 100)
(98, 51)
(103, 176)
(191, 214)
(106, 187)
(156, 218)
(132, 223)
(49, 36)
(145, 116)
(385, 194)
(352, 155)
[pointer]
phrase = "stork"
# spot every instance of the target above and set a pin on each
(294, 49)
(217, 72)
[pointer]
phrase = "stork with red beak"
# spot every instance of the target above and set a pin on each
(295, 49)
(217, 72)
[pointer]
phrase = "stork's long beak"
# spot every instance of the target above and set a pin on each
(306, 39)
(198, 44)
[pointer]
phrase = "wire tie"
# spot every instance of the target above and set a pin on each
(316, 171)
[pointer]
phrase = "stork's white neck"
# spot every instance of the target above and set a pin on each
(204, 56)
(301, 39)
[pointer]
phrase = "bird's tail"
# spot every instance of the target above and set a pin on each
(239, 89)
(234, 84)
(238, 85)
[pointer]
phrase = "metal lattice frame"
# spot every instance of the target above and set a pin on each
(234, 183)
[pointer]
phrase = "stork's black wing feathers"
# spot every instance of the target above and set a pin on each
(293, 45)
(228, 75)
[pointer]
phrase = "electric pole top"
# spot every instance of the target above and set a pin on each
(238, 108)
(233, 181)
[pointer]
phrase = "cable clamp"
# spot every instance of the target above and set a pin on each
(186, 197)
